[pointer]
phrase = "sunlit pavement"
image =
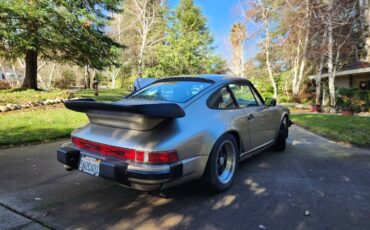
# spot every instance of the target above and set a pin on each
(314, 184)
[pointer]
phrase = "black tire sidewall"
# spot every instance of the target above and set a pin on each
(281, 138)
(211, 177)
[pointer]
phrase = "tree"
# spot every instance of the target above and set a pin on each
(238, 37)
(340, 35)
(264, 13)
(289, 42)
(65, 31)
(187, 48)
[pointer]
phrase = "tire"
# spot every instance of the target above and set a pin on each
(222, 165)
(280, 143)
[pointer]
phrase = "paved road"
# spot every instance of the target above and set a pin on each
(272, 190)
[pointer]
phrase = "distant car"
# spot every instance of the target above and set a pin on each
(176, 130)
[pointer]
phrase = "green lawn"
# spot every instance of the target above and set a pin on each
(104, 94)
(353, 130)
(47, 123)
(38, 125)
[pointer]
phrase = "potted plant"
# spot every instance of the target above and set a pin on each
(345, 101)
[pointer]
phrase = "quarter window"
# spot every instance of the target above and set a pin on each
(243, 95)
(221, 99)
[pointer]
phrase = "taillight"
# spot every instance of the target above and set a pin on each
(163, 157)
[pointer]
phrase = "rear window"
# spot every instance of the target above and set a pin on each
(172, 91)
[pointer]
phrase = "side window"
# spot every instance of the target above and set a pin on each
(256, 97)
(243, 95)
(221, 99)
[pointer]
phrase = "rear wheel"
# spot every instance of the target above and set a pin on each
(222, 164)
(280, 143)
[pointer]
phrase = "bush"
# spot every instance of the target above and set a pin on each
(285, 99)
(68, 78)
(4, 84)
(353, 98)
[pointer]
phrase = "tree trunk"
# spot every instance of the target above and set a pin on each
(92, 78)
(87, 77)
(318, 90)
(298, 81)
(30, 79)
(321, 67)
(51, 76)
(268, 64)
(330, 55)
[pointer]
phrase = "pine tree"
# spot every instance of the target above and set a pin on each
(187, 48)
(63, 30)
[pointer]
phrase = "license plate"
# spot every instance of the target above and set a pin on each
(89, 165)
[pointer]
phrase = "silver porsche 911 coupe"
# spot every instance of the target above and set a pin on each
(175, 130)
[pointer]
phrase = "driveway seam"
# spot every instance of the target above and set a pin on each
(26, 216)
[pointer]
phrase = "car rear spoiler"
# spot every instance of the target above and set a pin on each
(154, 110)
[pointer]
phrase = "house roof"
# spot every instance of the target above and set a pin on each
(353, 72)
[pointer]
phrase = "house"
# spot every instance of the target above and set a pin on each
(354, 75)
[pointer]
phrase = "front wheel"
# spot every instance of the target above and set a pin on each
(222, 164)
(280, 143)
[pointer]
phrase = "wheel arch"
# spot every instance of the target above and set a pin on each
(284, 114)
(236, 135)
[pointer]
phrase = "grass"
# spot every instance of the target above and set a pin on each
(38, 125)
(42, 124)
(352, 130)
(18, 96)
(104, 94)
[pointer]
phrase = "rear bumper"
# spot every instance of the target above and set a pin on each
(140, 176)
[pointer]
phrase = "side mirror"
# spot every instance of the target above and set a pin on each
(270, 102)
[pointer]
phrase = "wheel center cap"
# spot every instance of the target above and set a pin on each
(222, 160)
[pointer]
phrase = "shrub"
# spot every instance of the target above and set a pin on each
(4, 84)
(353, 98)
(68, 78)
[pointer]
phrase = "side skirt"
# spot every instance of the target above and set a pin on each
(255, 151)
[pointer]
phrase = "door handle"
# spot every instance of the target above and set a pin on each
(250, 117)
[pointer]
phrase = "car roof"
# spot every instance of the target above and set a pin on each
(217, 78)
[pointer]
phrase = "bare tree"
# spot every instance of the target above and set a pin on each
(144, 17)
(263, 11)
(302, 47)
(117, 26)
(364, 8)
(340, 25)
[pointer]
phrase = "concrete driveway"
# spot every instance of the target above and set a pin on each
(327, 182)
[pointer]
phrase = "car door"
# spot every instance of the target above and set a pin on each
(223, 101)
(257, 114)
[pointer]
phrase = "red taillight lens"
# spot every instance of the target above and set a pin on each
(165, 157)
(127, 154)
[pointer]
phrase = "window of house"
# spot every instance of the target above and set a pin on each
(365, 85)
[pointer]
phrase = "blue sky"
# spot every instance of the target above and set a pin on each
(221, 15)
